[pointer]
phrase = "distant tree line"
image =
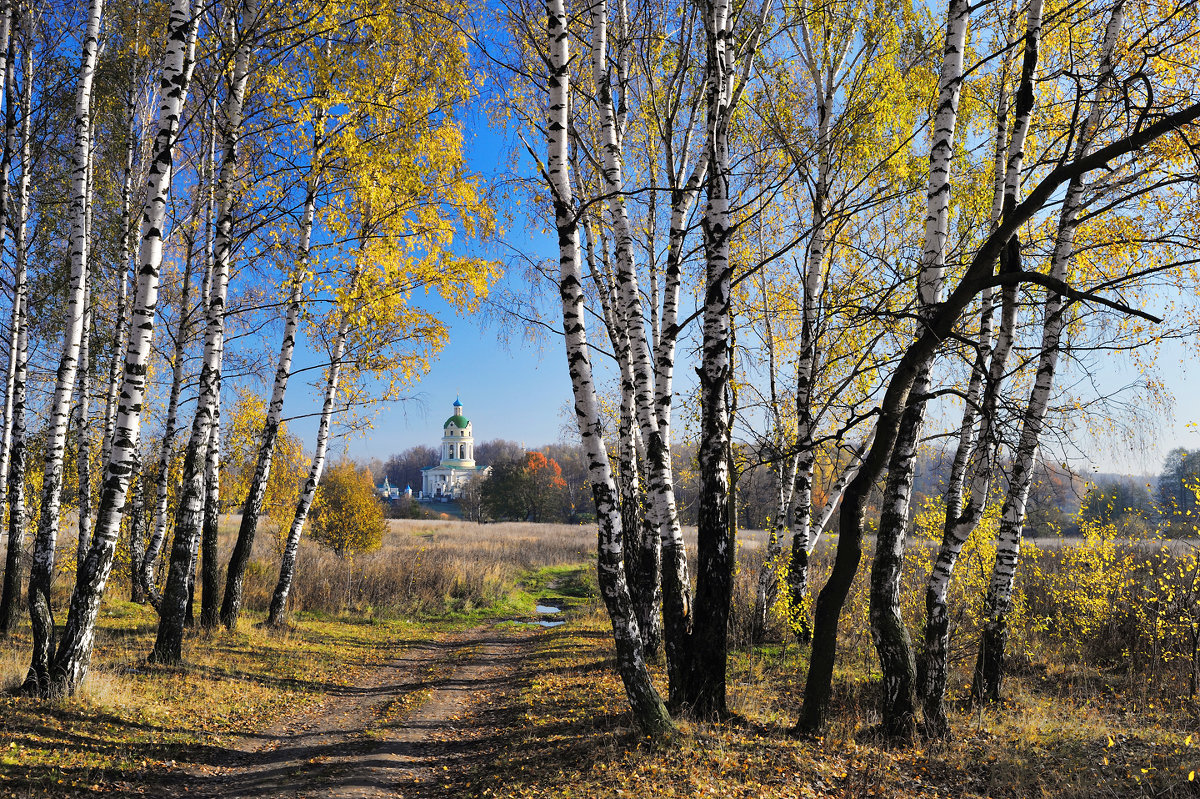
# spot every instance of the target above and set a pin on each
(1055, 500)
(1138, 508)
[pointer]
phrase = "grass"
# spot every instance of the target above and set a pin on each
(135, 726)
(1074, 725)
(568, 734)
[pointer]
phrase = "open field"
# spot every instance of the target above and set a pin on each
(375, 645)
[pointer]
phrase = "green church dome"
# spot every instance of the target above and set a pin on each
(458, 420)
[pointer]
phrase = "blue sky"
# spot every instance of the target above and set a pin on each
(515, 390)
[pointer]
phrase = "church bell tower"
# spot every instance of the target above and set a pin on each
(458, 444)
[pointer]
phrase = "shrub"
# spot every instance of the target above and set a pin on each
(347, 517)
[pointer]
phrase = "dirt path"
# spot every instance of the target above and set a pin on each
(400, 734)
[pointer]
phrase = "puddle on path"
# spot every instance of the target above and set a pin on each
(545, 610)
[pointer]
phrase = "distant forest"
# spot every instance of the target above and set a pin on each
(1058, 500)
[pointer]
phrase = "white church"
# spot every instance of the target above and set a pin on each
(445, 481)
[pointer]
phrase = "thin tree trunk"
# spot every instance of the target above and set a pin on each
(83, 442)
(168, 646)
(209, 567)
(824, 65)
(649, 712)
(38, 681)
(83, 438)
(122, 280)
(7, 68)
(231, 605)
(935, 657)
(899, 700)
(183, 334)
(10, 601)
(277, 614)
(13, 473)
(989, 667)
(676, 583)
(137, 531)
(83, 410)
(74, 653)
(767, 588)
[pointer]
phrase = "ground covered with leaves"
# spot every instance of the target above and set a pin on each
(565, 732)
(557, 725)
(136, 728)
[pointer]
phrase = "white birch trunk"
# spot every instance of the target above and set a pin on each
(648, 709)
(74, 654)
(766, 589)
(122, 281)
(39, 680)
(676, 583)
(966, 436)
(989, 669)
(210, 524)
(83, 438)
(824, 65)
(888, 631)
(14, 475)
(7, 44)
(287, 567)
(704, 687)
(168, 647)
(183, 335)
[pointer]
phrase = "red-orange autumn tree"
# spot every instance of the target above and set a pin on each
(530, 489)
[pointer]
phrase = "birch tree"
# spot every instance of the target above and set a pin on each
(183, 334)
(728, 62)
(38, 681)
(7, 69)
(887, 627)
(649, 711)
(168, 647)
(74, 652)
(14, 476)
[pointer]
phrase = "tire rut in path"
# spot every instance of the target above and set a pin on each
(371, 741)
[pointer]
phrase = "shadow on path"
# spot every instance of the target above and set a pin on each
(398, 735)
